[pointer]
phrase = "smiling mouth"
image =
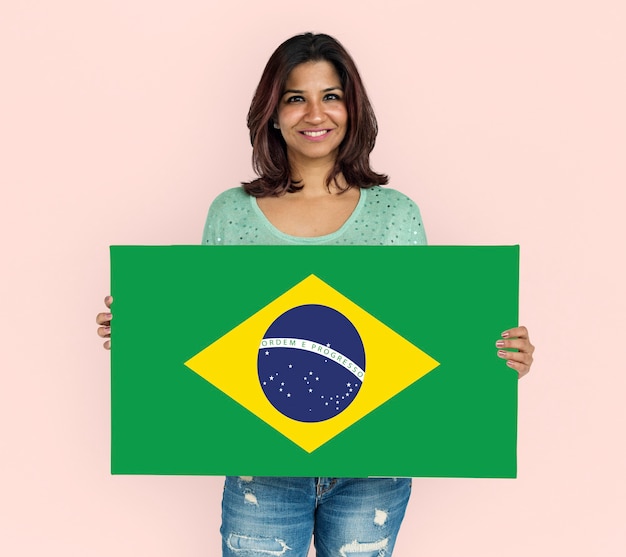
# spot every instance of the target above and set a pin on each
(316, 133)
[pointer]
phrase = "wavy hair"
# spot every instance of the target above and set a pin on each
(269, 151)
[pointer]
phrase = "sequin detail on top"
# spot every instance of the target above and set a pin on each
(382, 217)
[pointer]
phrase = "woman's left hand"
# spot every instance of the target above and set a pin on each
(516, 338)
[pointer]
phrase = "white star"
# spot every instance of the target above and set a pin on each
(317, 378)
(288, 395)
(348, 384)
(282, 383)
(290, 366)
(310, 373)
(267, 353)
(271, 378)
(280, 390)
(328, 345)
(310, 390)
(264, 382)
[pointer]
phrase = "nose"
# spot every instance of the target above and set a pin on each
(315, 112)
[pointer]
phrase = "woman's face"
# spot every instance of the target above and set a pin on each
(312, 113)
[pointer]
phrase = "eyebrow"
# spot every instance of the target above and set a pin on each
(300, 91)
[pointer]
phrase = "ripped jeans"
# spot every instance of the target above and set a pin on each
(266, 516)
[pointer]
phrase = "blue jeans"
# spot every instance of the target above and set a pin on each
(266, 516)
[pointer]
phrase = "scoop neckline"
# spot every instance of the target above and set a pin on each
(311, 239)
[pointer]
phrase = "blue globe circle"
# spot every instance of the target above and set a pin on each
(311, 363)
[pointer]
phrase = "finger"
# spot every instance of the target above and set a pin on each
(521, 368)
(515, 332)
(108, 300)
(520, 361)
(523, 345)
(104, 332)
(107, 344)
(522, 357)
(104, 318)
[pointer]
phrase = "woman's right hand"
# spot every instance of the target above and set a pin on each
(104, 320)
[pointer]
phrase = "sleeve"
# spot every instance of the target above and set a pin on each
(223, 217)
(407, 222)
(211, 235)
(417, 231)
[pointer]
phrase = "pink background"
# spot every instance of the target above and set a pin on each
(121, 120)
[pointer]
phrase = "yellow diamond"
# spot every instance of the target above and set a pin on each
(230, 364)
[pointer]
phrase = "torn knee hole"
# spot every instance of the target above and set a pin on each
(380, 517)
(250, 545)
(250, 498)
(365, 549)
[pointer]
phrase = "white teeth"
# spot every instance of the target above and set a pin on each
(315, 134)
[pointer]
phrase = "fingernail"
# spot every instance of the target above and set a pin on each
(501, 353)
(108, 315)
(505, 334)
(107, 330)
(499, 343)
(510, 363)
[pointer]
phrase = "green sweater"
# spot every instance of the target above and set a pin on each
(382, 217)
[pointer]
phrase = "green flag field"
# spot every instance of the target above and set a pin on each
(329, 361)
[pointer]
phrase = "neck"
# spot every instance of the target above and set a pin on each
(312, 177)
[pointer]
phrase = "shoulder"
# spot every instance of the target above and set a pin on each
(393, 217)
(231, 198)
(232, 204)
(229, 211)
(390, 199)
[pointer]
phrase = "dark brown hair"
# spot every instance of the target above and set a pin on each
(269, 152)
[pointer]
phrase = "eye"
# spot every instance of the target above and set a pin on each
(332, 97)
(295, 99)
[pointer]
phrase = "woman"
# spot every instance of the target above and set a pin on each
(312, 130)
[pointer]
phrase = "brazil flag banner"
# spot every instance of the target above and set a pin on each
(327, 361)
